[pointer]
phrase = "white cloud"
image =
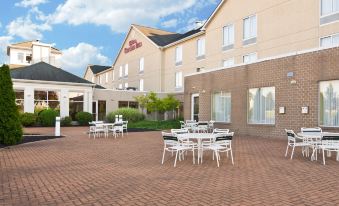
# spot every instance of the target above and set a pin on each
(78, 57)
(26, 29)
(191, 24)
(170, 23)
(27, 3)
(4, 42)
(117, 14)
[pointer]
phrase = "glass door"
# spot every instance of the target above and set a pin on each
(101, 110)
(95, 110)
(195, 107)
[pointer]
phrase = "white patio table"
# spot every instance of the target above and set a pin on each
(199, 137)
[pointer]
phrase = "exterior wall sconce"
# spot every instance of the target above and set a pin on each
(282, 110)
(293, 81)
(291, 75)
(304, 110)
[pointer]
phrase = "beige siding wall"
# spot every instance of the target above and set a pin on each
(109, 83)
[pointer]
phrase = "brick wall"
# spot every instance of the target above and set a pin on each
(308, 68)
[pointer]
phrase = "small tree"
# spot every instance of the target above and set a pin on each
(170, 103)
(10, 125)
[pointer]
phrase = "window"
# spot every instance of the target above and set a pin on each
(200, 47)
(106, 77)
(99, 79)
(228, 63)
(19, 99)
(178, 55)
(120, 86)
(250, 27)
(141, 64)
(126, 85)
(120, 71)
(126, 70)
(261, 105)
(250, 58)
(330, 41)
(122, 104)
(141, 85)
(93, 79)
(228, 35)
(113, 75)
(76, 103)
(178, 80)
(21, 57)
(329, 103)
(221, 107)
(46, 99)
(329, 7)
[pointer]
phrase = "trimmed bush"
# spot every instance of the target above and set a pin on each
(129, 114)
(83, 118)
(28, 119)
(66, 121)
(10, 125)
(47, 117)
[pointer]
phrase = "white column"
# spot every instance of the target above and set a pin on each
(90, 100)
(85, 101)
(64, 103)
(29, 99)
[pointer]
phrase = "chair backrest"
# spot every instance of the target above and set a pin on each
(118, 124)
(179, 131)
(313, 130)
(169, 136)
(216, 131)
(190, 121)
(330, 136)
(203, 123)
(224, 136)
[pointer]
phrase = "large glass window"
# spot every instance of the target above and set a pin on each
(201, 47)
(329, 7)
(178, 80)
(221, 107)
(250, 27)
(228, 63)
(250, 58)
(330, 41)
(19, 99)
(141, 64)
(126, 70)
(21, 57)
(120, 71)
(46, 99)
(329, 103)
(178, 55)
(130, 104)
(76, 103)
(228, 35)
(261, 105)
(141, 85)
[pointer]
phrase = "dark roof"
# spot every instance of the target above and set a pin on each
(45, 72)
(163, 40)
(98, 68)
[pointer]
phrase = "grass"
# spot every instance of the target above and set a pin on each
(155, 125)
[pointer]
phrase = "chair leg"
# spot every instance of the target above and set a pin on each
(193, 155)
(286, 150)
(217, 157)
(176, 157)
(292, 151)
(232, 157)
(323, 156)
(163, 156)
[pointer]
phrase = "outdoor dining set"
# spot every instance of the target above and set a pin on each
(197, 137)
(100, 128)
(313, 141)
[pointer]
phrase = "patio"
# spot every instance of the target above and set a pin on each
(127, 171)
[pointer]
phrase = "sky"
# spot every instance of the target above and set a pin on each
(92, 31)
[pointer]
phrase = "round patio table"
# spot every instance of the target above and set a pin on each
(314, 139)
(198, 137)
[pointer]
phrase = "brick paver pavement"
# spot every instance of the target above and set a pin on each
(127, 171)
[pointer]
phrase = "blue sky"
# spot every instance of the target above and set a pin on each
(91, 31)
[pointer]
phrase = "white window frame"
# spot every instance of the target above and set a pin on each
(141, 85)
(230, 35)
(126, 85)
(331, 37)
(93, 79)
(334, 112)
(230, 62)
(106, 77)
(227, 110)
(120, 71)
(141, 64)
(178, 54)
(126, 70)
(253, 33)
(178, 80)
(113, 75)
(333, 9)
(260, 121)
(250, 55)
(19, 55)
(120, 86)
(201, 47)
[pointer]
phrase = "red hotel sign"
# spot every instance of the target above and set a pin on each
(133, 44)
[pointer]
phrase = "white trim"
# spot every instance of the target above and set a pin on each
(192, 104)
(264, 59)
(53, 82)
(213, 14)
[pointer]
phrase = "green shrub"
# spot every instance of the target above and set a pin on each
(155, 125)
(28, 119)
(47, 117)
(129, 114)
(66, 121)
(83, 118)
(10, 125)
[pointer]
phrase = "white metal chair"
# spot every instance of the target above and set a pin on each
(222, 143)
(201, 126)
(118, 128)
(97, 129)
(312, 142)
(329, 143)
(211, 125)
(172, 144)
(124, 126)
(207, 143)
(293, 141)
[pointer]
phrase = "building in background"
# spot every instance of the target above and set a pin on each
(31, 52)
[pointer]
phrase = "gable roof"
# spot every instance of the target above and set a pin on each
(45, 72)
(29, 44)
(213, 14)
(98, 68)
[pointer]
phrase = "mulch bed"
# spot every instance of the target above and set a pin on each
(33, 138)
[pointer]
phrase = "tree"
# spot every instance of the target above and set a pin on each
(10, 125)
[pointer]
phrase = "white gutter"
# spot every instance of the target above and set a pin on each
(53, 82)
